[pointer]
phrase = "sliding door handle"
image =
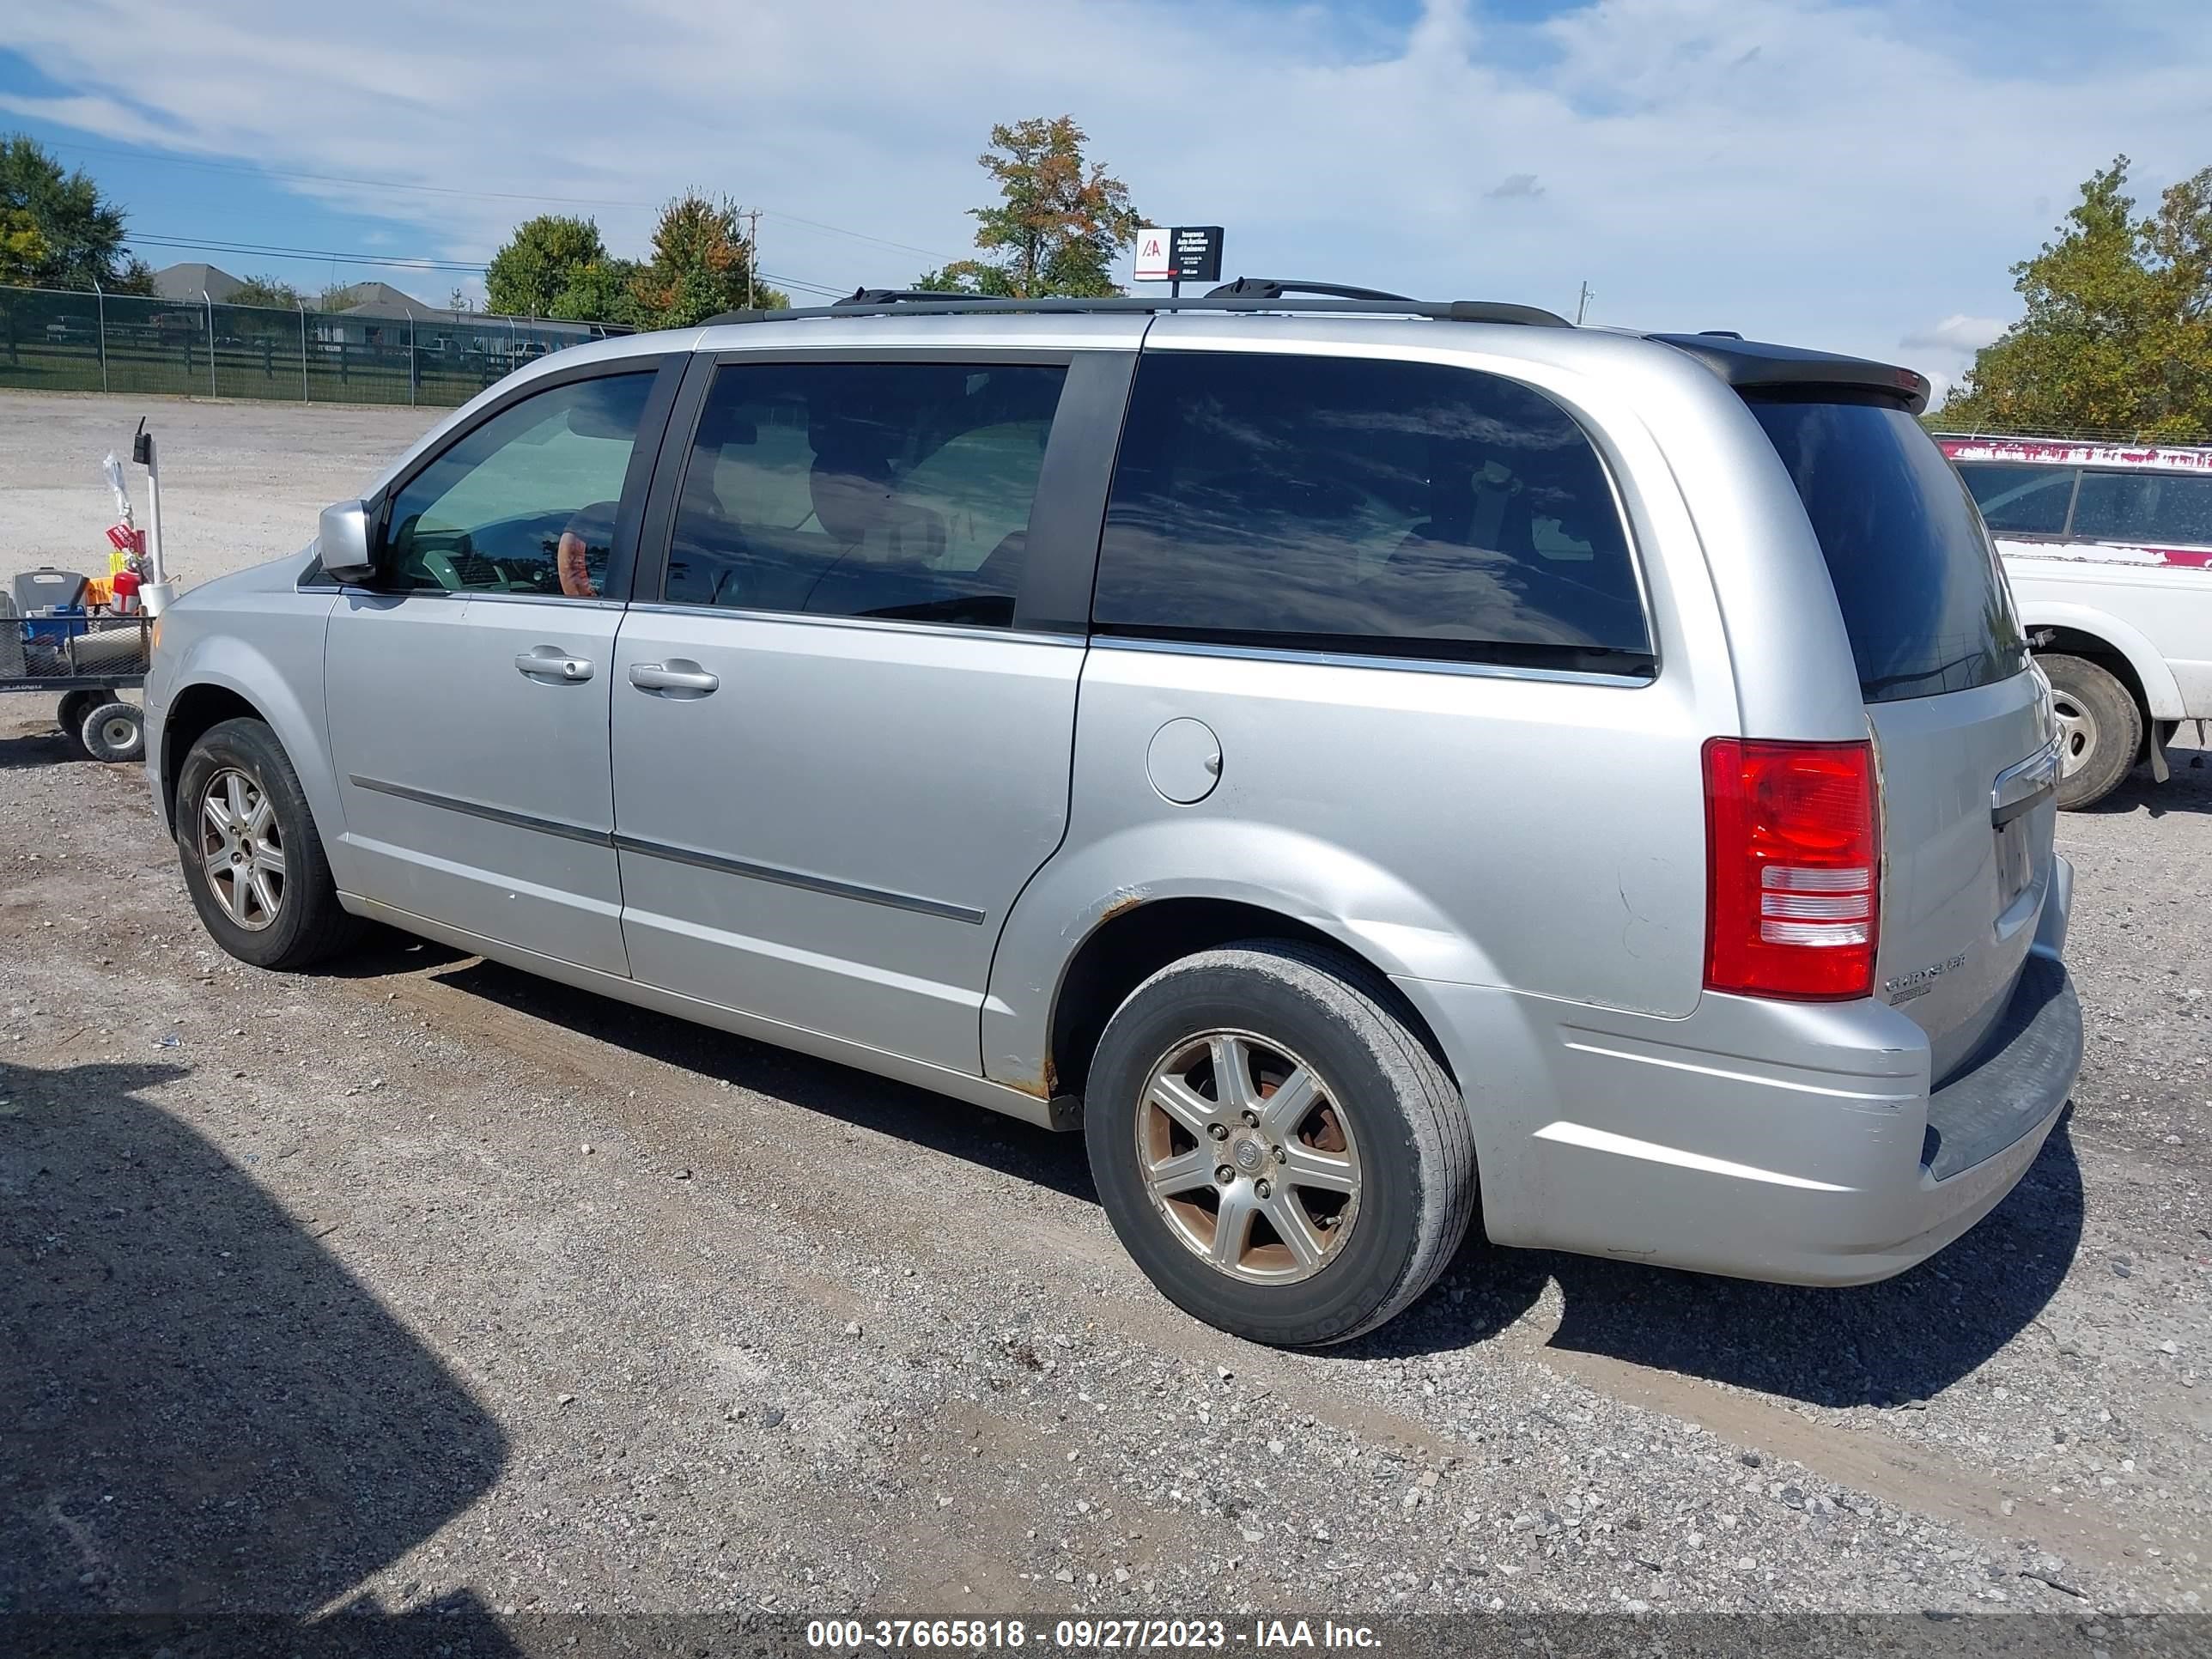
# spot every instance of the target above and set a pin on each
(677, 674)
(550, 662)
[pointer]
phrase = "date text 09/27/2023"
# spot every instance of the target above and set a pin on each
(1085, 1635)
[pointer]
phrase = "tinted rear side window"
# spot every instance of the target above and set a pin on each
(2021, 501)
(2146, 506)
(1373, 506)
(1914, 571)
(893, 490)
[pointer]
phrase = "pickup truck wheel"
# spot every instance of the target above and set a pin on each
(252, 862)
(2100, 730)
(1282, 1156)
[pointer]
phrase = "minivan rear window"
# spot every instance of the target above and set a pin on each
(1922, 599)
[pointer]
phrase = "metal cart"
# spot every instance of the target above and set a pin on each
(89, 660)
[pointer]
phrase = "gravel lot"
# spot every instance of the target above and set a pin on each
(423, 1280)
(241, 483)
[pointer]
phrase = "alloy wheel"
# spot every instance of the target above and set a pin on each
(1249, 1156)
(242, 849)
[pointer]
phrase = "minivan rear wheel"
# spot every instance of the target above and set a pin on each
(252, 861)
(1282, 1156)
(2100, 730)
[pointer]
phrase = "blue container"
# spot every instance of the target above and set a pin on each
(58, 626)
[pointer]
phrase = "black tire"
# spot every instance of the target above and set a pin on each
(307, 924)
(113, 731)
(2101, 728)
(1415, 1149)
(75, 706)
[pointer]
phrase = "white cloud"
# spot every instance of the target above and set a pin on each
(1822, 173)
(1955, 333)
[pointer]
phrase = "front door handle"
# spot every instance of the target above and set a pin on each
(550, 662)
(674, 675)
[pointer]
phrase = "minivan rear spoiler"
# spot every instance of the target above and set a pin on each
(1752, 364)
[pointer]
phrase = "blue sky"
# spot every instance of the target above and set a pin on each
(1850, 174)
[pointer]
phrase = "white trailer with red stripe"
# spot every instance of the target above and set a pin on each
(2108, 547)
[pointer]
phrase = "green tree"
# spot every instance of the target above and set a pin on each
(338, 296)
(558, 266)
(1060, 221)
(80, 232)
(2118, 330)
(700, 265)
(968, 277)
(23, 250)
(135, 276)
(273, 291)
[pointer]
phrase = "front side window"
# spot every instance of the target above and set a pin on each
(2148, 508)
(900, 491)
(2021, 501)
(525, 502)
(1365, 505)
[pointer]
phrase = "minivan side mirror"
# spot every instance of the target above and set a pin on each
(345, 543)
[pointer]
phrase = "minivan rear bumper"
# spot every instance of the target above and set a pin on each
(1792, 1142)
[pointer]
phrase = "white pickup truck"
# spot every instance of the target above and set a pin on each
(2109, 551)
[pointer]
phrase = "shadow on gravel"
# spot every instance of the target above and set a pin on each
(1891, 1344)
(2188, 790)
(387, 951)
(205, 1414)
(934, 1120)
(19, 754)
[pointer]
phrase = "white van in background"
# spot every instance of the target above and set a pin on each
(2109, 551)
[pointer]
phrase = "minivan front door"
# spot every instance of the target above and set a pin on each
(468, 691)
(842, 735)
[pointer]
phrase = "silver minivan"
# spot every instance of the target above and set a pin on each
(1367, 764)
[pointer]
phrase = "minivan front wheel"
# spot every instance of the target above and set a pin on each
(2100, 730)
(1279, 1153)
(252, 862)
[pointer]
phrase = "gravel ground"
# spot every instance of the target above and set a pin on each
(241, 483)
(422, 1281)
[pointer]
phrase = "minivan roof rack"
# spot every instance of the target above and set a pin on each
(1252, 293)
(1754, 365)
(1274, 287)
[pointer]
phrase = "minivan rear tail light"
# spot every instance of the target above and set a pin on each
(1793, 855)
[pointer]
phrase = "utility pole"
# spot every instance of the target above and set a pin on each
(1581, 304)
(752, 251)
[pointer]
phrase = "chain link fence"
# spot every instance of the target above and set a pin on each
(53, 340)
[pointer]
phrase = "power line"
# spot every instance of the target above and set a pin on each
(474, 194)
(399, 262)
(262, 250)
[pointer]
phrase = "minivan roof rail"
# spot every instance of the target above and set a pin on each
(1250, 294)
(1274, 287)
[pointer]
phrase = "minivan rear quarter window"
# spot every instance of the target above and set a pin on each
(1914, 571)
(1370, 507)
